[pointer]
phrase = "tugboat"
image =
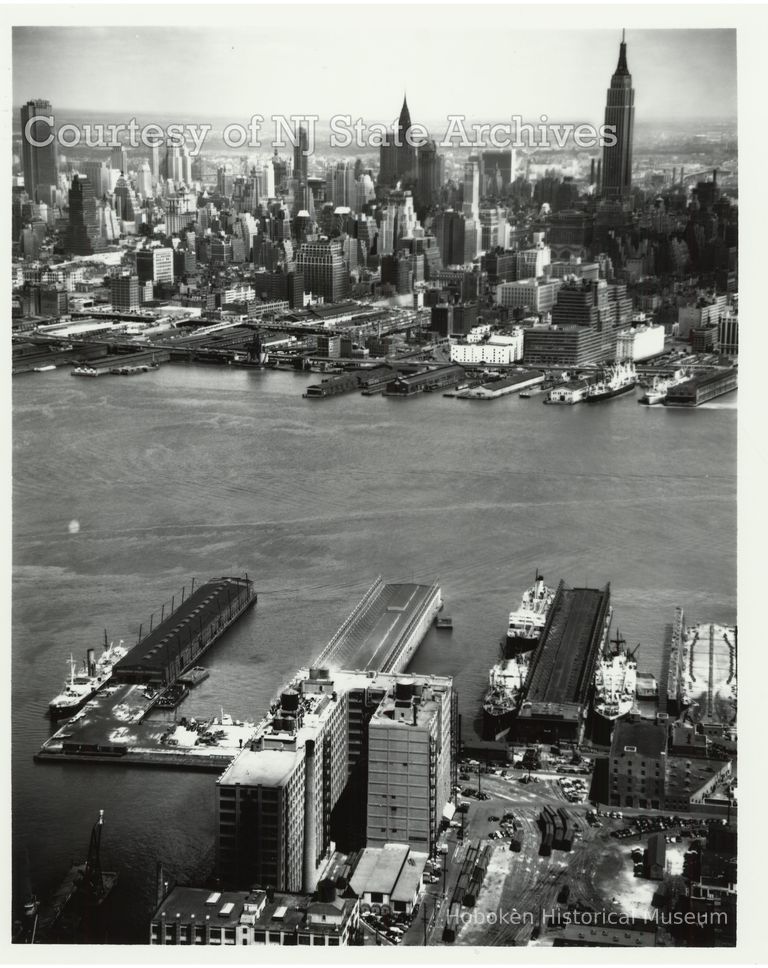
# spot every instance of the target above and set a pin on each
(81, 685)
(616, 681)
(617, 379)
(526, 622)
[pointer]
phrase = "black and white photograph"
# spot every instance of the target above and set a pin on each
(373, 442)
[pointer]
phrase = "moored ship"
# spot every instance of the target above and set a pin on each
(617, 379)
(527, 621)
(82, 685)
(615, 682)
(660, 386)
(501, 700)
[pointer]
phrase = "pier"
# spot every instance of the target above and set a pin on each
(381, 634)
(115, 724)
(384, 629)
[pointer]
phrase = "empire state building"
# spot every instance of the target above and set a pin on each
(620, 117)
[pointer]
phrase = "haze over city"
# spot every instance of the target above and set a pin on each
(228, 72)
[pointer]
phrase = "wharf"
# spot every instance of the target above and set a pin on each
(115, 725)
(384, 629)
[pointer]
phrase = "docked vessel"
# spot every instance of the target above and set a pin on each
(83, 684)
(617, 379)
(527, 621)
(615, 682)
(501, 700)
(660, 386)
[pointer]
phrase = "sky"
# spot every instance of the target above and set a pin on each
(343, 60)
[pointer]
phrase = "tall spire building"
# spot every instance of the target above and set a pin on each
(620, 117)
(397, 156)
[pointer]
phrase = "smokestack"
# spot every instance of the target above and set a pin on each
(592, 172)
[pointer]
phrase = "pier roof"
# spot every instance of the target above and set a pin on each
(156, 649)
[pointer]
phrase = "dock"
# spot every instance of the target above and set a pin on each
(385, 628)
(115, 725)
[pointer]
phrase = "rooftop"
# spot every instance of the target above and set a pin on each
(642, 738)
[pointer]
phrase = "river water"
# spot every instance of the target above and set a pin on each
(124, 489)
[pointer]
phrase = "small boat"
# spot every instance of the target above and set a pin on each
(44, 369)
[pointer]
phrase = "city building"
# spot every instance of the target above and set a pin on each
(125, 291)
(640, 342)
(397, 158)
(39, 163)
(391, 877)
(155, 265)
(498, 350)
(410, 764)
(322, 265)
(620, 116)
(198, 916)
(532, 295)
(83, 234)
(638, 765)
(281, 803)
(453, 319)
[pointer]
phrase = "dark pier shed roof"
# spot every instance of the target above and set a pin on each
(563, 665)
(158, 648)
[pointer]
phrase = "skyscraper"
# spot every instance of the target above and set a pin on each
(620, 116)
(39, 163)
(83, 235)
(397, 158)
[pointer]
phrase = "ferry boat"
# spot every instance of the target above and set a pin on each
(660, 386)
(617, 379)
(616, 682)
(505, 683)
(527, 621)
(82, 685)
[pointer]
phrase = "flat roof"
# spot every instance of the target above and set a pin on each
(409, 881)
(563, 664)
(266, 767)
(648, 739)
(375, 628)
(379, 869)
(159, 646)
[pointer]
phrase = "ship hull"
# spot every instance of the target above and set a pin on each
(496, 720)
(61, 711)
(609, 394)
(517, 644)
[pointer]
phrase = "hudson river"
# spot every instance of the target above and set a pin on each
(124, 489)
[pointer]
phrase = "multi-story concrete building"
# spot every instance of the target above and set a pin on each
(638, 765)
(534, 295)
(155, 265)
(125, 291)
(409, 763)
(317, 769)
(323, 268)
(498, 350)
